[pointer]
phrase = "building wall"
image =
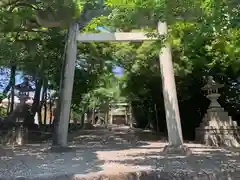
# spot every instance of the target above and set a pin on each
(119, 119)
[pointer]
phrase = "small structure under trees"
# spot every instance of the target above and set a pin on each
(119, 114)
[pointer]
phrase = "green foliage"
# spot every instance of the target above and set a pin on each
(205, 41)
(3, 112)
(2, 96)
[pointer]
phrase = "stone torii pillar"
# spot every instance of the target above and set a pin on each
(167, 73)
(172, 114)
(66, 88)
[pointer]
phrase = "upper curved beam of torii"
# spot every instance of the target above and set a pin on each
(117, 36)
(121, 36)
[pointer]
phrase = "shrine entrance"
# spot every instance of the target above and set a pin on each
(167, 73)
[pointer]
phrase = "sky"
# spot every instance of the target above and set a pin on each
(4, 79)
(118, 71)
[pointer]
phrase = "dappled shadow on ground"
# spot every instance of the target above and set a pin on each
(114, 139)
(82, 158)
(208, 161)
(111, 151)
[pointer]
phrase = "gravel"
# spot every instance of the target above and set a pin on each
(96, 154)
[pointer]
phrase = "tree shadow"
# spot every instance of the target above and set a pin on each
(210, 162)
(82, 157)
(91, 150)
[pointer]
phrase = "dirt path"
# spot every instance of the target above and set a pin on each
(117, 154)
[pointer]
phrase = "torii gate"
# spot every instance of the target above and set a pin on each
(167, 73)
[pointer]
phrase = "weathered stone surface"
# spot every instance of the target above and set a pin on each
(217, 127)
(177, 150)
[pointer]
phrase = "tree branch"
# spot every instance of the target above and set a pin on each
(27, 30)
(4, 5)
(88, 14)
(22, 4)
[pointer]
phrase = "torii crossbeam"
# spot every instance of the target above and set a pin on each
(117, 37)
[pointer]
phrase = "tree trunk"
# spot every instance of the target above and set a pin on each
(44, 101)
(66, 87)
(8, 106)
(45, 113)
(130, 115)
(82, 119)
(36, 101)
(106, 114)
(39, 113)
(50, 110)
(126, 116)
(10, 85)
(93, 115)
(55, 126)
(12, 82)
(156, 112)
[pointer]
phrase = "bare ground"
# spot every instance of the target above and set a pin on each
(117, 154)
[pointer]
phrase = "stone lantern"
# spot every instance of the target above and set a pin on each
(24, 89)
(217, 127)
(212, 93)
